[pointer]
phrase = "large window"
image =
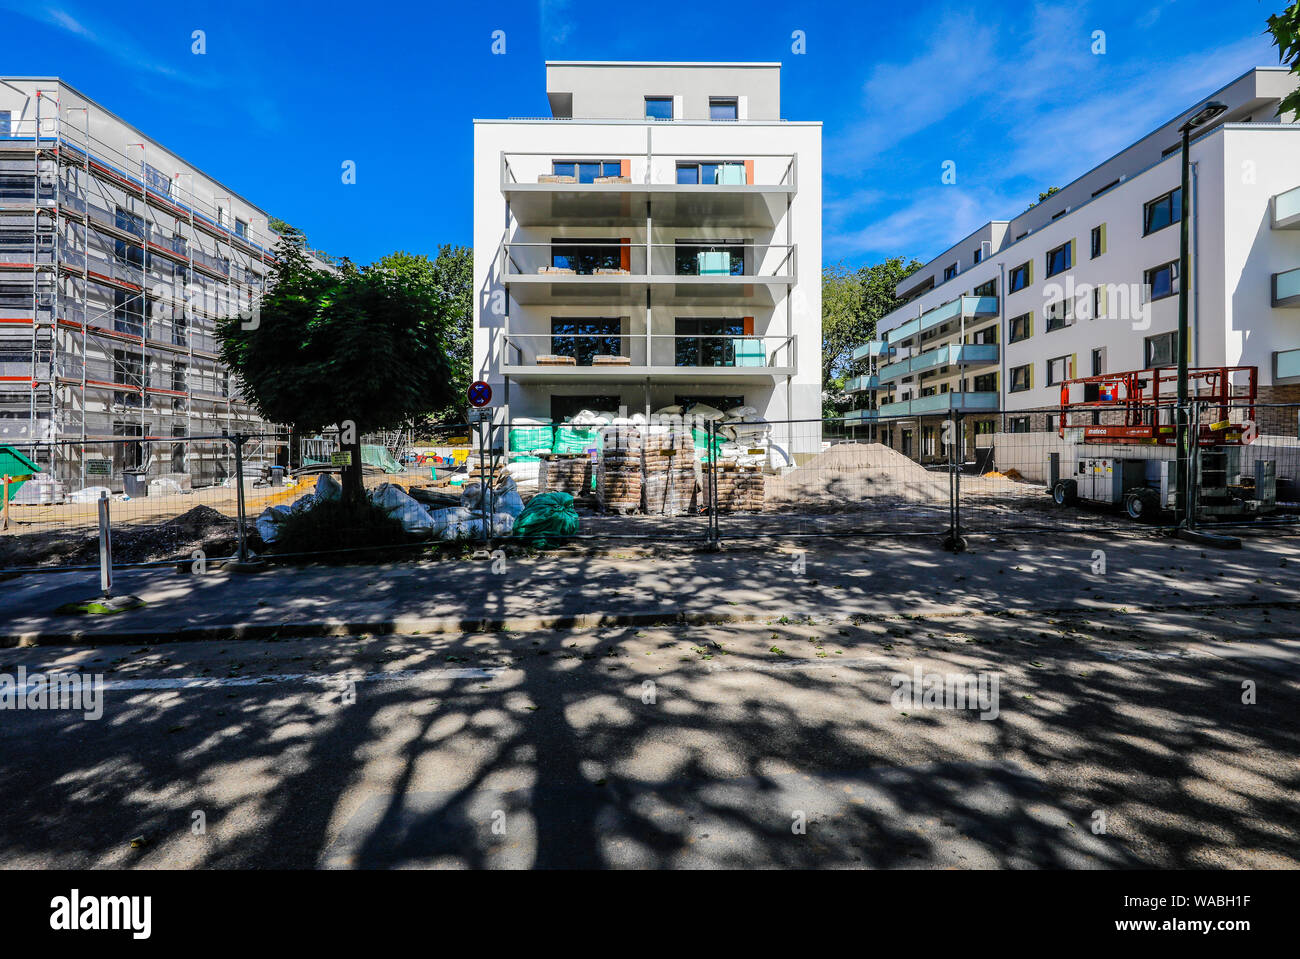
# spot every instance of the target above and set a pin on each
(708, 341)
(729, 172)
(1162, 211)
(987, 289)
(1160, 350)
(1059, 370)
(587, 256)
(586, 171)
(1019, 278)
(724, 108)
(126, 252)
(129, 370)
(723, 258)
(1162, 281)
(1021, 327)
(1059, 315)
(1060, 259)
(658, 108)
(564, 408)
(1021, 378)
(128, 312)
(986, 383)
(723, 403)
(583, 337)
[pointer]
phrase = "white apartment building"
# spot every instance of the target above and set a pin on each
(655, 241)
(117, 257)
(1086, 282)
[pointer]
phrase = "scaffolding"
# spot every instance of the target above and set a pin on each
(119, 289)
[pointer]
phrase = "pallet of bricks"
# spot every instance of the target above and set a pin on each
(670, 471)
(618, 470)
(566, 473)
(740, 488)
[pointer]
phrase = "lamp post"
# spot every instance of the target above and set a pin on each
(1182, 478)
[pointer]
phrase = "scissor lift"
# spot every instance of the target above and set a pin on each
(1139, 406)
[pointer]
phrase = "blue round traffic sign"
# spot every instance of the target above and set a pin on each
(480, 394)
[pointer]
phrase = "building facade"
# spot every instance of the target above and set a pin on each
(655, 241)
(117, 257)
(1086, 282)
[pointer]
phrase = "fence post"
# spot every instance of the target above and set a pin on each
(238, 439)
(713, 483)
(105, 548)
(1193, 464)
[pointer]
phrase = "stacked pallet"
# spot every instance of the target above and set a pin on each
(740, 489)
(619, 484)
(566, 473)
(671, 471)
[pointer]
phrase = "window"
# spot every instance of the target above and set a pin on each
(1096, 302)
(1059, 315)
(241, 228)
(987, 335)
(1019, 277)
(126, 252)
(1018, 424)
(658, 108)
(978, 255)
(1160, 350)
(985, 427)
(1099, 361)
(6, 117)
(723, 403)
(949, 272)
(1060, 259)
(1162, 281)
(157, 181)
(986, 383)
(1021, 327)
(1021, 378)
(586, 171)
(1098, 240)
(1059, 369)
(128, 312)
(725, 258)
(128, 370)
(724, 108)
(986, 289)
(730, 172)
(564, 408)
(1112, 183)
(707, 342)
(587, 257)
(1162, 211)
(586, 336)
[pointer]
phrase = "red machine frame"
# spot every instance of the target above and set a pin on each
(1138, 395)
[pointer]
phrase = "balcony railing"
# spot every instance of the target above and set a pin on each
(1286, 288)
(952, 354)
(873, 348)
(580, 261)
(614, 353)
(614, 172)
(941, 403)
(964, 306)
(860, 384)
(854, 417)
(1286, 210)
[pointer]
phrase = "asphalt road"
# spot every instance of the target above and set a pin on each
(1121, 740)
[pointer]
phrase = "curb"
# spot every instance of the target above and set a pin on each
(578, 621)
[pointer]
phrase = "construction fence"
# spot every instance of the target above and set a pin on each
(676, 478)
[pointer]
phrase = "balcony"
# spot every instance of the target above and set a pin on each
(942, 403)
(1286, 288)
(597, 189)
(953, 354)
(858, 417)
(543, 357)
(1286, 210)
(962, 308)
(873, 348)
(595, 272)
(860, 384)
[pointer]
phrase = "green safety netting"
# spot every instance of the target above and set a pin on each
(548, 518)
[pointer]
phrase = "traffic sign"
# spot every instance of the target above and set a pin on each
(480, 394)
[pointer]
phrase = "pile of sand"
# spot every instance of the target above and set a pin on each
(868, 474)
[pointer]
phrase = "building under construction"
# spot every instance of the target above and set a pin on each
(117, 258)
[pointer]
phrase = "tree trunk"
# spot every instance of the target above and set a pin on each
(354, 489)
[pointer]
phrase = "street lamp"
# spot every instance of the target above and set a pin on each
(1182, 479)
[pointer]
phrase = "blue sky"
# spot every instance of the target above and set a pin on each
(286, 92)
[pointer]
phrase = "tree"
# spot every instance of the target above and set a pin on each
(453, 273)
(1285, 27)
(852, 303)
(363, 349)
(1043, 196)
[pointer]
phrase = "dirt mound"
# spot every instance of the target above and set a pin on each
(200, 521)
(870, 474)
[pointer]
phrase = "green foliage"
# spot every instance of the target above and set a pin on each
(334, 524)
(365, 344)
(1043, 196)
(852, 303)
(453, 274)
(1285, 27)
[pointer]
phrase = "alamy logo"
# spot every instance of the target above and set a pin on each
(74, 691)
(102, 914)
(924, 690)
